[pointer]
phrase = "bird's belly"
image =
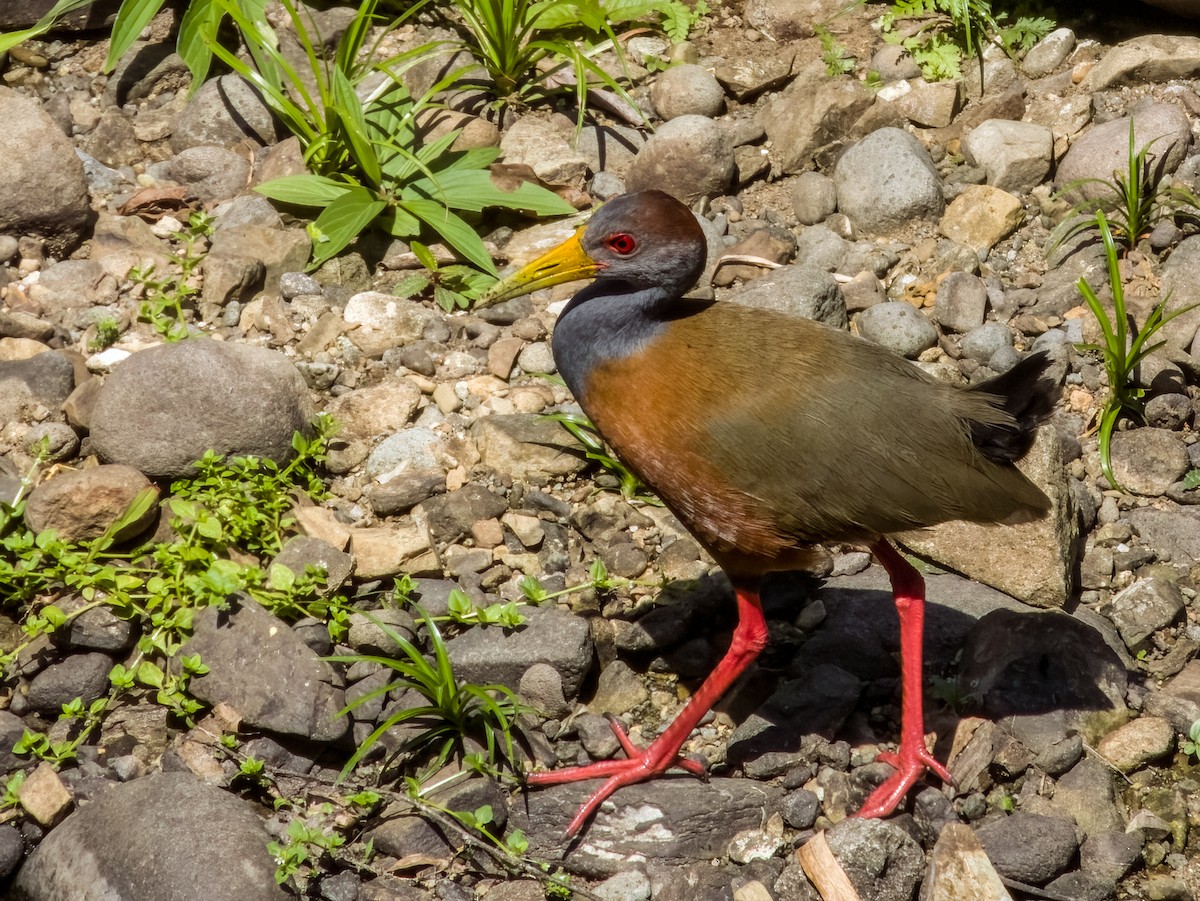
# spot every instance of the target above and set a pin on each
(654, 416)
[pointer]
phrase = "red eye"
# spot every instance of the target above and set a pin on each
(622, 243)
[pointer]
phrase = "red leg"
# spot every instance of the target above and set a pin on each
(663, 753)
(912, 760)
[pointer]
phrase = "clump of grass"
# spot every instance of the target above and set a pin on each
(1135, 200)
(453, 710)
(1123, 349)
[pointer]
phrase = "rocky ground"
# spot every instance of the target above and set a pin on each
(1060, 672)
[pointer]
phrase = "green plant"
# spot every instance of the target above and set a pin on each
(108, 330)
(837, 60)
(1136, 200)
(452, 710)
(132, 16)
(528, 50)
(949, 31)
(230, 508)
(1191, 745)
(595, 449)
(309, 837)
(166, 295)
(371, 164)
(454, 286)
(1123, 349)
(10, 794)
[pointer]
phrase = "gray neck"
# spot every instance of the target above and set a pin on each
(606, 320)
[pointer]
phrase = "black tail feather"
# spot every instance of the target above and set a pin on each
(1028, 393)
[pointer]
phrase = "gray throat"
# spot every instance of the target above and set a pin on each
(606, 320)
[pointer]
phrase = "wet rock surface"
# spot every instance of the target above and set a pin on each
(919, 216)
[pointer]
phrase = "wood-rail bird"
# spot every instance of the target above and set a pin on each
(767, 434)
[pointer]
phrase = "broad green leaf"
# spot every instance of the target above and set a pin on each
(354, 126)
(475, 190)
(44, 24)
(132, 17)
(197, 30)
(343, 220)
(306, 190)
(453, 230)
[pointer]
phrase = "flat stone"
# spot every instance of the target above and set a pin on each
(1137, 743)
(527, 447)
(1031, 561)
(886, 180)
(669, 821)
(1148, 461)
(1143, 608)
(549, 635)
(1147, 58)
(113, 847)
(1028, 847)
(265, 672)
(981, 217)
(960, 869)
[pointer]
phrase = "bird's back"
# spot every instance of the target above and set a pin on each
(765, 433)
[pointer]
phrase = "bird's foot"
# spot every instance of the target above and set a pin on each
(638, 766)
(911, 763)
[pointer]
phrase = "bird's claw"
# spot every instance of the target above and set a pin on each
(911, 764)
(638, 766)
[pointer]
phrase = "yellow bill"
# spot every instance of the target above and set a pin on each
(565, 263)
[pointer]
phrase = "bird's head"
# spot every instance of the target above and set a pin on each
(648, 239)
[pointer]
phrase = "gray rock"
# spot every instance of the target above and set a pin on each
(44, 188)
(819, 247)
(1169, 411)
(98, 629)
(1028, 847)
(596, 736)
(690, 158)
(883, 861)
(527, 447)
(275, 249)
(82, 504)
(898, 326)
(1105, 147)
(666, 823)
(1028, 663)
(618, 690)
(364, 414)
(786, 20)
(75, 676)
(984, 342)
(800, 808)
(609, 150)
(162, 408)
(632, 885)
(932, 104)
(451, 516)
(403, 492)
(1147, 58)
(548, 635)
(420, 449)
(1148, 461)
(1049, 53)
(1082, 886)
(814, 197)
(542, 688)
(112, 849)
(961, 302)
(12, 850)
(1181, 290)
(812, 116)
(57, 441)
(797, 291)
(687, 90)
(212, 173)
(545, 146)
(1110, 854)
(1143, 608)
(224, 112)
(1170, 530)
(266, 673)
(886, 180)
(1015, 155)
(45, 379)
